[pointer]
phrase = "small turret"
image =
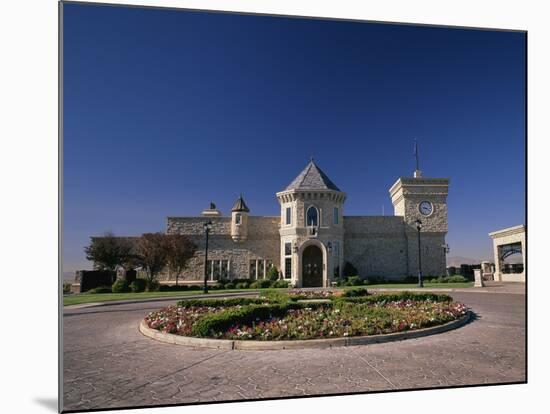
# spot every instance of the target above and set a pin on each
(239, 221)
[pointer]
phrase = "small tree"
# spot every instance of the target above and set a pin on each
(108, 252)
(350, 270)
(151, 253)
(179, 250)
(273, 273)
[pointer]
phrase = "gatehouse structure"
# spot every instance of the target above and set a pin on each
(509, 242)
(311, 239)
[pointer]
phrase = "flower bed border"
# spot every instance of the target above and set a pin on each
(230, 344)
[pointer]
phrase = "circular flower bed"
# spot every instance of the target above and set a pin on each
(284, 317)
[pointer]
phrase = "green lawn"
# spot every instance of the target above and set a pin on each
(105, 297)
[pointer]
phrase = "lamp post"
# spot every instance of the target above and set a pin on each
(207, 227)
(418, 228)
(329, 277)
(446, 250)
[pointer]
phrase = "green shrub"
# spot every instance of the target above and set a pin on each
(391, 297)
(272, 274)
(254, 285)
(354, 281)
(274, 295)
(230, 285)
(152, 285)
(375, 280)
(350, 270)
(223, 282)
(138, 285)
(66, 287)
(281, 283)
(242, 285)
(264, 283)
(120, 286)
(350, 293)
(100, 289)
(410, 279)
(456, 279)
(212, 324)
(189, 303)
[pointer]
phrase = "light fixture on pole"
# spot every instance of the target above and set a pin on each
(207, 227)
(418, 228)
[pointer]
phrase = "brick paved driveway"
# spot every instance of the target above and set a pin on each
(108, 363)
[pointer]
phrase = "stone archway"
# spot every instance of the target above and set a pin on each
(312, 266)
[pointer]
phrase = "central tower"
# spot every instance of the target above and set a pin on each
(311, 229)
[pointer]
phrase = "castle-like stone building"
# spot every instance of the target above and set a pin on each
(312, 239)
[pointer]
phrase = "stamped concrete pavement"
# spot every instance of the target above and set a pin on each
(108, 363)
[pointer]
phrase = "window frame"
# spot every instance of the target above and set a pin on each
(288, 268)
(288, 216)
(316, 216)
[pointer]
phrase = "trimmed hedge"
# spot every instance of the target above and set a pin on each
(152, 285)
(218, 322)
(101, 289)
(189, 303)
(138, 285)
(450, 279)
(355, 292)
(392, 297)
(120, 286)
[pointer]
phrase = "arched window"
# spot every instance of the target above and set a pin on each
(238, 218)
(311, 217)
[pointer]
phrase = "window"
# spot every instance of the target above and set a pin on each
(288, 268)
(238, 218)
(335, 215)
(311, 217)
(216, 270)
(224, 269)
(288, 215)
(252, 273)
(288, 249)
(260, 268)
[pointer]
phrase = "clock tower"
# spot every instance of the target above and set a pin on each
(424, 199)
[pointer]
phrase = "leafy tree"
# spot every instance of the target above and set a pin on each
(151, 253)
(179, 250)
(108, 252)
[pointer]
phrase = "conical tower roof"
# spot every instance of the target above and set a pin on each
(312, 178)
(240, 205)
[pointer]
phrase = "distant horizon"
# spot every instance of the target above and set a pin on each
(202, 106)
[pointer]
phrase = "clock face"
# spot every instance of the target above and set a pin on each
(425, 208)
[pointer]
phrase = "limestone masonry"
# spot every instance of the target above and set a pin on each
(311, 240)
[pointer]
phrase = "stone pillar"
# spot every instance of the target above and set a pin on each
(478, 278)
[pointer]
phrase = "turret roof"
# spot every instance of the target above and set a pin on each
(240, 205)
(312, 178)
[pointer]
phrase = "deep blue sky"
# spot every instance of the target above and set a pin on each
(166, 110)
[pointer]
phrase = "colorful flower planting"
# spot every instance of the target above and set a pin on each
(288, 320)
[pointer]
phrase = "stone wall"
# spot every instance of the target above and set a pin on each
(383, 246)
(376, 246)
(263, 242)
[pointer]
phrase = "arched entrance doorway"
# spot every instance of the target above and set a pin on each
(312, 267)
